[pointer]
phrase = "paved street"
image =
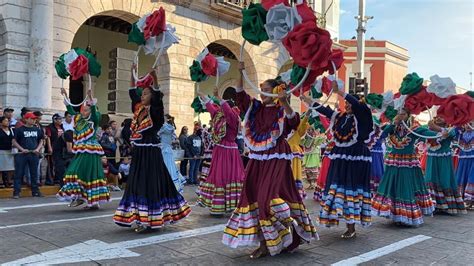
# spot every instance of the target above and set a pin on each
(55, 233)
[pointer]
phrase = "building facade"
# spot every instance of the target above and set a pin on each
(33, 34)
(386, 64)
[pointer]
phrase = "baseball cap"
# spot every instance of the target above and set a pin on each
(30, 115)
(8, 109)
(57, 116)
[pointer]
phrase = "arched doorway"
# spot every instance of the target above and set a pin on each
(106, 35)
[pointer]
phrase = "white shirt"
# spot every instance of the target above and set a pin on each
(68, 126)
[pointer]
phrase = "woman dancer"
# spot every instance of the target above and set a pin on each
(402, 194)
(465, 169)
(294, 140)
(270, 212)
(439, 175)
(220, 191)
(150, 199)
(312, 155)
(168, 136)
(347, 191)
(84, 180)
(374, 143)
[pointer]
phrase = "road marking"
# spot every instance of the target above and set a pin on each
(56, 221)
(381, 251)
(95, 250)
(6, 209)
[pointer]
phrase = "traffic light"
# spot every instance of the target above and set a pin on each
(358, 86)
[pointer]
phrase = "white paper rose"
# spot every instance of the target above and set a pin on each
(281, 20)
(442, 87)
(165, 40)
(399, 102)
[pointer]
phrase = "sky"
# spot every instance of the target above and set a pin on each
(438, 34)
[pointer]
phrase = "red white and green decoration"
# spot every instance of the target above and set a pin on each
(204, 66)
(152, 35)
(296, 29)
(455, 109)
(76, 64)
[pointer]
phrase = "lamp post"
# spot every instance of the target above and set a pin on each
(362, 20)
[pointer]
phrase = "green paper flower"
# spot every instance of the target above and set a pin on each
(297, 74)
(390, 113)
(136, 36)
(411, 84)
(315, 94)
(61, 68)
(253, 24)
(470, 93)
(315, 122)
(196, 72)
(197, 106)
(374, 100)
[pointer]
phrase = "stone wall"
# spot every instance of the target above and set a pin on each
(196, 28)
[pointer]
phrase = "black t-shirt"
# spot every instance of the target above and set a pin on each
(6, 140)
(62, 142)
(29, 137)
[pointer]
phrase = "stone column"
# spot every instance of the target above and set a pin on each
(41, 55)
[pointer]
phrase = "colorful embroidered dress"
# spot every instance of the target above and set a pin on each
(347, 191)
(402, 194)
(269, 203)
(465, 169)
(374, 143)
(294, 140)
(168, 136)
(439, 175)
(324, 169)
(84, 178)
(151, 198)
(220, 192)
(207, 156)
(312, 154)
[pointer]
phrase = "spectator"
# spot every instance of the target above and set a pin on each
(111, 173)
(7, 165)
(183, 139)
(55, 131)
(113, 124)
(8, 113)
(1, 111)
(195, 147)
(29, 140)
(44, 171)
(124, 170)
(65, 142)
(125, 133)
(21, 122)
(107, 141)
(68, 124)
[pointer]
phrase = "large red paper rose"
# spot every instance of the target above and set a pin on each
(145, 83)
(306, 12)
(457, 110)
(155, 24)
(419, 101)
(337, 56)
(267, 4)
(209, 65)
(309, 44)
(79, 67)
